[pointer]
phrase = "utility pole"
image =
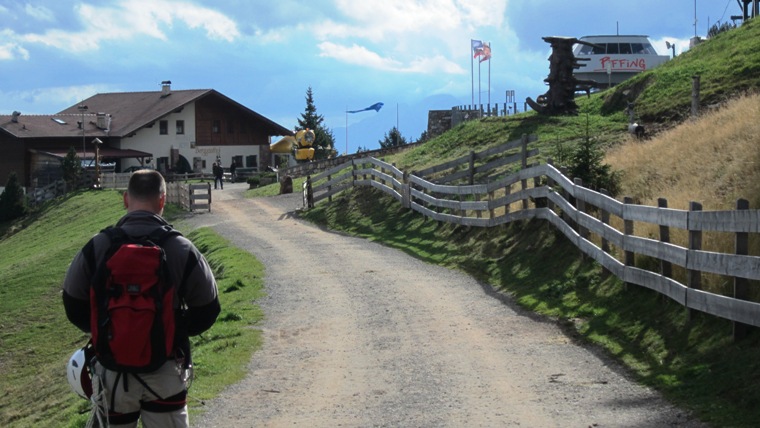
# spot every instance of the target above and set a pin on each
(83, 108)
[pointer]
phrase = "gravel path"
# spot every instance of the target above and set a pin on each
(360, 335)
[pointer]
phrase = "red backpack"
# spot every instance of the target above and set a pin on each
(132, 317)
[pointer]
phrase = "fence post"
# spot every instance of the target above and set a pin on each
(629, 257)
(524, 165)
(694, 96)
(310, 193)
(694, 277)
(666, 268)
(472, 167)
(190, 197)
(741, 285)
(208, 190)
(329, 188)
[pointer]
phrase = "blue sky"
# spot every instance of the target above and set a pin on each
(412, 55)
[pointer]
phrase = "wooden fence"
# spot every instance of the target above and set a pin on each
(318, 166)
(38, 195)
(582, 215)
(189, 196)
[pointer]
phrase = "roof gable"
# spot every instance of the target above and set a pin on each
(131, 111)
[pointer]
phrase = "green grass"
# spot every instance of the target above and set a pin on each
(37, 339)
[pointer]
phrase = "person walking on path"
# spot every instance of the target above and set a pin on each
(158, 397)
(233, 167)
(218, 175)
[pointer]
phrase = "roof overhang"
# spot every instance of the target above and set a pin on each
(105, 152)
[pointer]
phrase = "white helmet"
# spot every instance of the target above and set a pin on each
(78, 373)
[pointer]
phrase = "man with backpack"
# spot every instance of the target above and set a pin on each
(141, 289)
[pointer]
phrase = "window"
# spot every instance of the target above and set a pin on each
(163, 127)
(215, 127)
(586, 50)
(230, 127)
(251, 161)
(612, 48)
(625, 48)
(180, 127)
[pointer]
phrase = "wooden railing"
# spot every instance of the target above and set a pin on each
(189, 196)
(41, 194)
(321, 165)
(583, 216)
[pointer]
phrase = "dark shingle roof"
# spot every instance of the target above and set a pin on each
(129, 112)
(50, 126)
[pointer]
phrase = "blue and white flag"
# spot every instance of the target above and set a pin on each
(375, 107)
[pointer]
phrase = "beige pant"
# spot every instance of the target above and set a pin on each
(125, 399)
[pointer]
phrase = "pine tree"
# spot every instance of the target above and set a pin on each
(324, 140)
(72, 168)
(12, 204)
(393, 138)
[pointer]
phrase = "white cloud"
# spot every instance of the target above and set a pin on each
(40, 13)
(420, 36)
(130, 19)
(9, 48)
(61, 97)
(360, 55)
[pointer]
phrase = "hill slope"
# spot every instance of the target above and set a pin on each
(712, 160)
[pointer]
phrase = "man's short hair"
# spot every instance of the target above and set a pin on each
(146, 184)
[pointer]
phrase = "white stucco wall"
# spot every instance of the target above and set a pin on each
(151, 141)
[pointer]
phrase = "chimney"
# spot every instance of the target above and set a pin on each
(103, 121)
(16, 114)
(166, 88)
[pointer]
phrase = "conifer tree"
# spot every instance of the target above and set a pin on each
(393, 138)
(12, 204)
(72, 168)
(324, 140)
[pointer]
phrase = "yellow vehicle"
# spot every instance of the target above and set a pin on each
(300, 144)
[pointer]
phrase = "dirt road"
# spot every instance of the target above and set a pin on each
(359, 335)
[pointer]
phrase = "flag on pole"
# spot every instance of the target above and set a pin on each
(483, 51)
(477, 47)
(375, 107)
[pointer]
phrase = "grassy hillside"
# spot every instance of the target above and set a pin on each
(712, 160)
(37, 340)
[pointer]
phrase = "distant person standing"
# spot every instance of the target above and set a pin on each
(218, 175)
(233, 167)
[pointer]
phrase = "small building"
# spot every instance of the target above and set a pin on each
(170, 130)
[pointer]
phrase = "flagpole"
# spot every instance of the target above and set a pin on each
(346, 130)
(489, 81)
(480, 103)
(472, 75)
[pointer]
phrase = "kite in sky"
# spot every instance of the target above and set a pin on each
(375, 107)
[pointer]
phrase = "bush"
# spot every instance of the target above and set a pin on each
(12, 204)
(253, 181)
(588, 166)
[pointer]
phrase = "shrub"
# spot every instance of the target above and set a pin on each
(253, 181)
(12, 204)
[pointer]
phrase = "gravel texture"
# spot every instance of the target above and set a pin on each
(360, 335)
